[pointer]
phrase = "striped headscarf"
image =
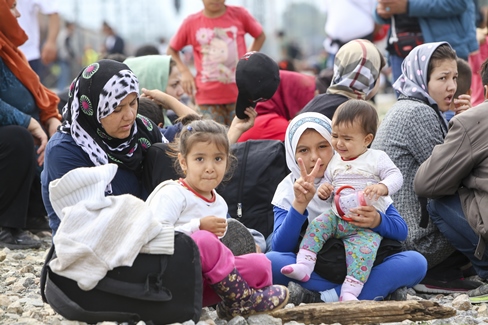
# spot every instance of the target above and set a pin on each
(357, 66)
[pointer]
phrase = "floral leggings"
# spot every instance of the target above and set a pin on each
(222, 113)
(361, 244)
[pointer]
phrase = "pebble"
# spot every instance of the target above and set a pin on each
(21, 303)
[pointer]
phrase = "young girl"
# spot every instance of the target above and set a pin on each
(353, 128)
(193, 206)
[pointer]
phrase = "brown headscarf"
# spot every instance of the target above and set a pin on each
(11, 37)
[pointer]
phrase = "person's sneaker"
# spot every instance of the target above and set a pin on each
(299, 294)
(17, 239)
(37, 224)
(478, 295)
(399, 294)
(238, 238)
(429, 285)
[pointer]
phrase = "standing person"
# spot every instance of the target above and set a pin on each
(69, 58)
(454, 177)
(340, 29)
(113, 43)
(192, 205)
(217, 36)
(351, 170)
(415, 22)
(411, 129)
(357, 69)
(36, 54)
(295, 204)
(25, 102)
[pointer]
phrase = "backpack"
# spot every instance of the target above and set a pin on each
(157, 289)
(261, 166)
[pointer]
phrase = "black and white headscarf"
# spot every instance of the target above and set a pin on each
(93, 95)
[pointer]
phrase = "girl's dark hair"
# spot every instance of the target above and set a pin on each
(442, 53)
(360, 111)
(201, 130)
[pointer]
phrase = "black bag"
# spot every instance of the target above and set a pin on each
(261, 166)
(158, 289)
(331, 260)
(406, 42)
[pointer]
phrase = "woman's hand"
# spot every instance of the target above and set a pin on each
(214, 224)
(462, 103)
(303, 187)
(238, 126)
(52, 125)
(40, 139)
(365, 217)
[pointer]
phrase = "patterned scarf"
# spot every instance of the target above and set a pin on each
(93, 95)
(413, 80)
(357, 66)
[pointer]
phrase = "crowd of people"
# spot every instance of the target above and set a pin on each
(370, 207)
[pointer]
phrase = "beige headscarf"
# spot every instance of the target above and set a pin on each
(357, 66)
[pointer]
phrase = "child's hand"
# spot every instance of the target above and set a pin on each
(373, 192)
(303, 187)
(325, 191)
(188, 82)
(214, 224)
(156, 95)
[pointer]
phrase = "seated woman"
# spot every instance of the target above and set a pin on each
(410, 130)
(102, 126)
(28, 111)
(308, 137)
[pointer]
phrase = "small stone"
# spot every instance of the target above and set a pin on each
(27, 269)
(16, 308)
(461, 302)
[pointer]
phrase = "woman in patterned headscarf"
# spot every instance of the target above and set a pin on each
(101, 126)
(357, 68)
(408, 133)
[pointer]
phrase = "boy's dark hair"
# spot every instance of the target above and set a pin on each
(151, 110)
(119, 57)
(442, 53)
(148, 49)
(360, 111)
(201, 130)
(484, 72)
(464, 77)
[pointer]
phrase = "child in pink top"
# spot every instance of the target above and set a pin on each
(217, 36)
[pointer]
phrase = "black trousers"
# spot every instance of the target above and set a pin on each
(18, 167)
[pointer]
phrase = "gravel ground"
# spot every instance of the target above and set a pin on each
(21, 303)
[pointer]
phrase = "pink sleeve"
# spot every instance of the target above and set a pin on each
(182, 36)
(251, 25)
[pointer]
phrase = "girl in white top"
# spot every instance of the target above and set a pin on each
(243, 284)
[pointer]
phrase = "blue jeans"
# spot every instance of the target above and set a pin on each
(447, 214)
(396, 66)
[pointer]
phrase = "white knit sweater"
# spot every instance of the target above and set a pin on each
(97, 232)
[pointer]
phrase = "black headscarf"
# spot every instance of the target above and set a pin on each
(93, 95)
